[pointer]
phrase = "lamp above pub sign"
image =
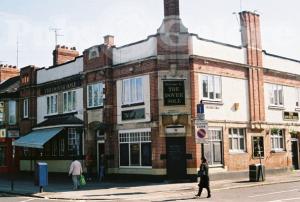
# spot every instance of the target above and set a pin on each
(291, 116)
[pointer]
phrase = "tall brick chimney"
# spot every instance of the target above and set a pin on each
(109, 40)
(251, 37)
(63, 54)
(251, 41)
(171, 7)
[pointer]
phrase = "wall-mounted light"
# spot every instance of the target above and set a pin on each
(236, 106)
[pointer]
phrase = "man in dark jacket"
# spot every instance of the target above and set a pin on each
(204, 179)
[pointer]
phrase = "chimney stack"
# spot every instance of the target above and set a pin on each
(63, 54)
(109, 40)
(171, 8)
(8, 71)
(251, 37)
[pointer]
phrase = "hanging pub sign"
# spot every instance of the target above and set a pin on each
(290, 116)
(174, 93)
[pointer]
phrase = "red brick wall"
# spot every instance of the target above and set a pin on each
(63, 54)
(8, 71)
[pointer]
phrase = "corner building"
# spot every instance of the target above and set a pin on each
(141, 99)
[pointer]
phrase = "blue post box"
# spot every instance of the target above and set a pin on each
(41, 175)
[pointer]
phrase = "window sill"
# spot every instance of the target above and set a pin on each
(297, 109)
(92, 108)
(277, 151)
(280, 108)
(237, 152)
(132, 105)
(213, 102)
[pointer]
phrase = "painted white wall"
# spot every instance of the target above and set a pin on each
(217, 51)
(69, 69)
(146, 83)
(233, 91)
(281, 64)
(137, 51)
(276, 115)
(42, 105)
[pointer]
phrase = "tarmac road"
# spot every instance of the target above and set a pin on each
(284, 192)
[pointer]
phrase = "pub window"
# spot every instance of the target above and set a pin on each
(135, 148)
(69, 101)
(132, 91)
(211, 87)
(277, 139)
(54, 148)
(73, 141)
(276, 95)
(61, 147)
(95, 95)
(237, 139)
(12, 120)
(258, 147)
(51, 104)
(25, 107)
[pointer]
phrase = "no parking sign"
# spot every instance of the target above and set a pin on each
(201, 131)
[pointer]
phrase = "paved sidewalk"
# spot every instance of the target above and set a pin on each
(133, 191)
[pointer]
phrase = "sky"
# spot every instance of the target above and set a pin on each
(83, 23)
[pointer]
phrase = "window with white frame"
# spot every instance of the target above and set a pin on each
(95, 95)
(12, 116)
(237, 139)
(211, 87)
(52, 104)
(132, 91)
(298, 97)
(25, 107)
(135, 148)
(277, 139)
(73, 141)
(276, 95)
(69, 101)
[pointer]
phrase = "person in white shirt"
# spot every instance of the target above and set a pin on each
(75, 171)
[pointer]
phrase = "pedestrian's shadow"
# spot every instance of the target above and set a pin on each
(243, 181)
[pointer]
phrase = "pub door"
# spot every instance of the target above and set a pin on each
(295, 154)
(176, 157)
(213, 149)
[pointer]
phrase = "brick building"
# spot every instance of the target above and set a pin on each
(139, 101)
(8, 71)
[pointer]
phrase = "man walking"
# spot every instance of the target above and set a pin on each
(75, 171)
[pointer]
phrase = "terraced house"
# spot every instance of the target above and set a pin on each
(136, 104)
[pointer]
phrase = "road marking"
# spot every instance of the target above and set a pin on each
(279, 192)
(288, 199)
(31, 199)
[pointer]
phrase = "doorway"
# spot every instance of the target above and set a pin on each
(295, 153)
(100, 151)
(213, 149)
(176, 157)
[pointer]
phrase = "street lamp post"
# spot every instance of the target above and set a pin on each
(12, 169)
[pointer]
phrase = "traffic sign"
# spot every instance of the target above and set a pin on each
(201, 127)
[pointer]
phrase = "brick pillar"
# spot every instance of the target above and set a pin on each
(171, 7)
(251, 41)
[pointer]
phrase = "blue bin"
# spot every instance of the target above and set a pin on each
(41, 174)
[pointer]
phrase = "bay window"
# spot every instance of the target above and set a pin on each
(73, 141)
(12, 116)
(25, 107)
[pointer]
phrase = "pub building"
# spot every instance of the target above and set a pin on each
(9, 122)
(57, 134)
(136, 104)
